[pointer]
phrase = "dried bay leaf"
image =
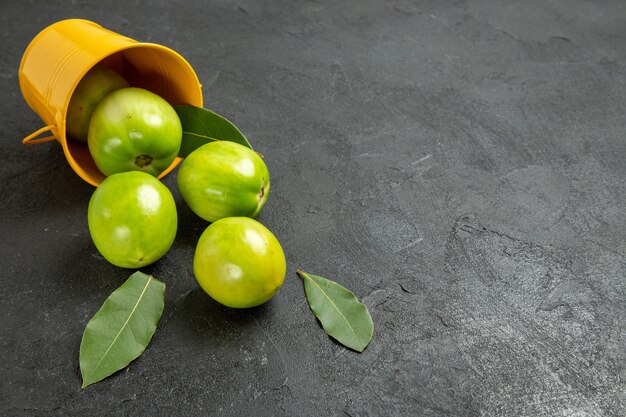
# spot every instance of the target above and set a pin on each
(341, 314)
(201, 126)
(121, 330)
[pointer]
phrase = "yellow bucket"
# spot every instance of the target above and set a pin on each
(59, 57)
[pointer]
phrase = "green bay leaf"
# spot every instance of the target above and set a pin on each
(341, 314)
(201, 126)
(121, 330)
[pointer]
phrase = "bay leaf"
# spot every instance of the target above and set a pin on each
(341, 314)
(201, 126)
(121, 330)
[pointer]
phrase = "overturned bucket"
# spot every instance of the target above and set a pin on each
(59, 57)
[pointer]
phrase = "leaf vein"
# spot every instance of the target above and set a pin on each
(122, 328)
(334, 305)
(200, 135)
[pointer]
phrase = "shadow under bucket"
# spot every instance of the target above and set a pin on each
(59, 57)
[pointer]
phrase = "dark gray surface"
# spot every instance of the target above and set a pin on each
(459, 165)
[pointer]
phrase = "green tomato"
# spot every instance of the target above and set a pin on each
(133, 129)
(239, 262)
(224, 179)
(132, 219)
(93, 87)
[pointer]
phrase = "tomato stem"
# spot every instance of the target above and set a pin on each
(143, 161)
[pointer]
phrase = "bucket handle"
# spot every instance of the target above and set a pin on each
(30, 139)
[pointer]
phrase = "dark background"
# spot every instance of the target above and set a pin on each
(459, 165)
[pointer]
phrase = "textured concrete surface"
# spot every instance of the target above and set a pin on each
(459, 165)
